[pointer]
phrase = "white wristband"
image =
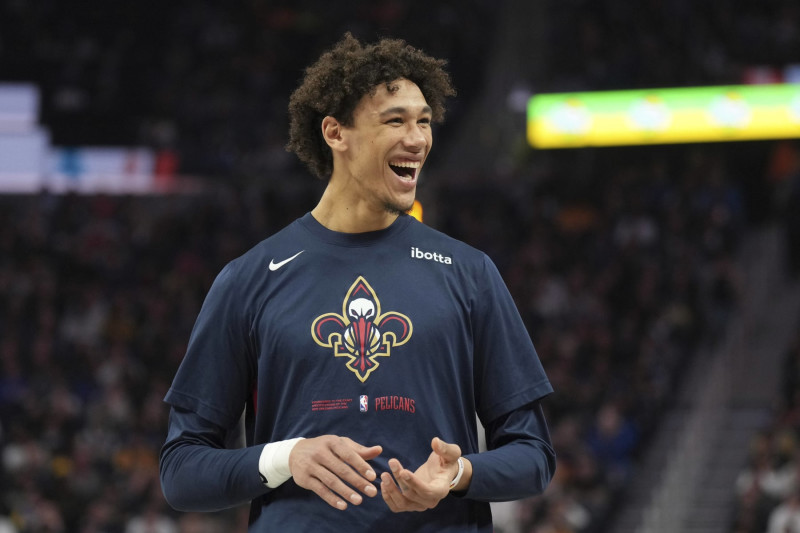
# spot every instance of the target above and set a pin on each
(460, 473)
(273, 465)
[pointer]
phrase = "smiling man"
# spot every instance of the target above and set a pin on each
(359, 367)
(377, 160)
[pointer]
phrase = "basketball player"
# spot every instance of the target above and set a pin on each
(359, 342)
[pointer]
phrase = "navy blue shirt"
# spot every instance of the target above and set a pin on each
(389, 337)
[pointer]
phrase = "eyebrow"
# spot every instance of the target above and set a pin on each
(403, 110)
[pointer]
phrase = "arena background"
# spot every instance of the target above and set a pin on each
(659, 283)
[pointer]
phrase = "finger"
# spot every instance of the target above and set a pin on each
(327, 495)
(449, 452)
(390, 492)
(396, 467)
(335, 484)
(339, 476)
(416, 489)
(356, 456)
(367, 452)
(414, 494)
(395, 499)
(342, 459)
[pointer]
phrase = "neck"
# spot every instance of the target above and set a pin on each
(345, 214)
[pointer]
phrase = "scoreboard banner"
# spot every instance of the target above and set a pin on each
(663, 116)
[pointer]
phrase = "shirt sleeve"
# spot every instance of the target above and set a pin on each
(198, 474)
(208, 396)
(507, 371)
(519, 462)
(218, 372)
(509, 383)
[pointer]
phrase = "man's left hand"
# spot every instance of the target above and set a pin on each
(429, 484)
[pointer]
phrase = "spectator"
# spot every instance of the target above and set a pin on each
(786, 516)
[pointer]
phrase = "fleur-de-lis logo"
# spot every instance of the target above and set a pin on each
(362, 332)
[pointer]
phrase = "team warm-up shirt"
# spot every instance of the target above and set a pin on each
(389, 337)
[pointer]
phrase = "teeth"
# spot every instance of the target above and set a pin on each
(406, 164)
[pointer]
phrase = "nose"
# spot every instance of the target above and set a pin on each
(415, 139)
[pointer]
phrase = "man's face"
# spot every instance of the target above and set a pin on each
(387, 145)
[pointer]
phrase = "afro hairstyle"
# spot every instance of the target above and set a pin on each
(342, 76)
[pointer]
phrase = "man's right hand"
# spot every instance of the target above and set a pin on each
(333, 467)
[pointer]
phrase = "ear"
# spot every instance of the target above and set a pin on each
(333, 133)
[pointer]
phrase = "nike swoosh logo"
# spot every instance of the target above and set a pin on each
(273, 266)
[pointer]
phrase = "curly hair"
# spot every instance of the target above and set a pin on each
(336, 83)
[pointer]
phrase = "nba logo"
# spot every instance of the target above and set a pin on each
(363, 404)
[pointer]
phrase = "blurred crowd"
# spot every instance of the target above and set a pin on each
(97, 298)
(768, 487)
(607, 45)
(210, 80)
(98, 294)
(621, 282)
(622, 261)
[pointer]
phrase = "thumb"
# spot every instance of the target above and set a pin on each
(448, 452)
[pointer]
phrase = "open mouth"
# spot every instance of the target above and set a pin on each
(406, 170)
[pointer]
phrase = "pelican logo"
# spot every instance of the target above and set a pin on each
(362, 332)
